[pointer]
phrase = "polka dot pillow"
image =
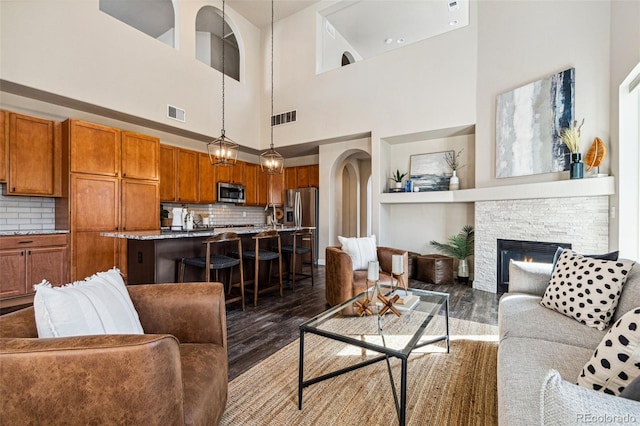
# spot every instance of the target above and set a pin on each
(586, 289)
(616, 361)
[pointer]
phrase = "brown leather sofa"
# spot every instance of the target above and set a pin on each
(175, 374)
(343, 283)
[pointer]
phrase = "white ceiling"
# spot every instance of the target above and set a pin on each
(258, 12)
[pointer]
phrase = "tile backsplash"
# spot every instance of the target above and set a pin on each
(18, 213)
(225, 214)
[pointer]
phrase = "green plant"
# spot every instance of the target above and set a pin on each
(164, 213)
(459, 246)
(397, 176)
(453, 159)
(571, 137)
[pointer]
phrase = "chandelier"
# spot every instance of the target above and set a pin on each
(271, 162)
(222, 150)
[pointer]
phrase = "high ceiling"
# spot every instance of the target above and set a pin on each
(258, 12)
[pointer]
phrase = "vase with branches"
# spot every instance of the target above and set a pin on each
(459, 246)
(452, 159)
(571, 138)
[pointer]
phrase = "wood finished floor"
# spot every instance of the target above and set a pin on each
(256, 333)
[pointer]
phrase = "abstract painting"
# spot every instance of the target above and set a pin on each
(430, 172)
(529, 120)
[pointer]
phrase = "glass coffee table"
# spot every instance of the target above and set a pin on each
(389, 334)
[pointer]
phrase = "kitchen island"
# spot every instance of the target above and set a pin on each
(154, 256)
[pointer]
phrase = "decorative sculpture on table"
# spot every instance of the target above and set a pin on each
(373, 275)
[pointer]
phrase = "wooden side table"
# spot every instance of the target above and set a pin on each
(435, 269)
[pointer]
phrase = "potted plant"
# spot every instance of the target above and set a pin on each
(460, 247)
(397, 178)
(453, 161)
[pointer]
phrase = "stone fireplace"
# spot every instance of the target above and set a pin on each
(582, 222)
(524, 251)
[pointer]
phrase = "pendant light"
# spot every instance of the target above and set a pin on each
(271, 162)
(222, 150)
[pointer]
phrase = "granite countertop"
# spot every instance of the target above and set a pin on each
(167, 234)
(33, 232)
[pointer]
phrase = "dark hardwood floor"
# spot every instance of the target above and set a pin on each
(256, 333)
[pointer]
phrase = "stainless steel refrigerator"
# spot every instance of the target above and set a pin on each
(301, 209)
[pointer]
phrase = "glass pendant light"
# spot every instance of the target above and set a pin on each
(222, 150)
(271, 162)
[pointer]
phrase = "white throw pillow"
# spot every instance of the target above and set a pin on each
(361, 250)
(586, 289)
(563, 403)
(98, 305)
(616, 361)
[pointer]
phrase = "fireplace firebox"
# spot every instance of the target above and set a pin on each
(525, 251)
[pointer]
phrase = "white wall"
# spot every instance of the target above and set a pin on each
(72, 49)
(625, 55)
(522, 41)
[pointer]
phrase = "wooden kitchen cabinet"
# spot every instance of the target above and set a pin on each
(93, 148)
(4, 144)
(263, 188)
(27, 260)
(95, 203)
(251, 184)
(302, 176)
(168, 178)
(91, 253)
(207, 178)
(276, 189)
(140, 156)
(35, 156)
(187, 172)
(290, 181)
(314, 176)
(231, 174)
(139, 205)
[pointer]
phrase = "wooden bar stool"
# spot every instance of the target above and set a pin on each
(261, 254)
(302, 243)
(218, 262)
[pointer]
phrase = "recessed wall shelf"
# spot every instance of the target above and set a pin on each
(588, 187)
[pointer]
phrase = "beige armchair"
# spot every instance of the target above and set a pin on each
(343, 283)
(175, 374)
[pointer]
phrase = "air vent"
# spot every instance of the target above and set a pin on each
(176, 113)
(284, 118)
(453, 5)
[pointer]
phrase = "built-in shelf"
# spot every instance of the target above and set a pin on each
(560, 189)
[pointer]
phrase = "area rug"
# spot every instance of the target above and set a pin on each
(456, 388)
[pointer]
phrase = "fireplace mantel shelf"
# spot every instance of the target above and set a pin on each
(560, 189)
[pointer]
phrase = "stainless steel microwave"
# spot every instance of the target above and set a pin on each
(230, 193)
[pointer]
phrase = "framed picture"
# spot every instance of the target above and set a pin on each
(430, 172)
(529, 120)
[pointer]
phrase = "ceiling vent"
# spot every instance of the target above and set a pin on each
(176, 113)
(453, 5)
(284, 118)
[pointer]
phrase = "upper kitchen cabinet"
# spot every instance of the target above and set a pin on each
(251, 172)
(35, 156)
(168, 179)
(139, 205)
(276, 189)
(187, 172)
(231, 174)
(140, 156)
(207, 178)
(314, 175)
(94, 148)
(290, 181)
(302, 177)
(4, 144)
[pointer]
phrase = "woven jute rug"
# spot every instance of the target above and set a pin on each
(456, 388)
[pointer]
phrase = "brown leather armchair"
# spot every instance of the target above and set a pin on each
(343, 283)
(175, 374)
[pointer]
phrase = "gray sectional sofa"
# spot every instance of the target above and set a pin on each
(535, 340)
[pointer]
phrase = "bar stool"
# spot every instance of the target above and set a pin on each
(298, 248)
(261, 254)
(218, 262)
